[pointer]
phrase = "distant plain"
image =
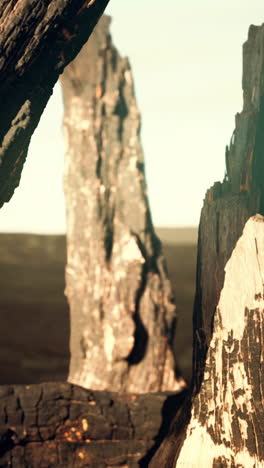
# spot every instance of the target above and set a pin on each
(34, 343)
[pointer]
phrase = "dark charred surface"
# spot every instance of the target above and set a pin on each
(38, 39)
(227, 207)
(34, 345)
(61, 425)
(222, 222)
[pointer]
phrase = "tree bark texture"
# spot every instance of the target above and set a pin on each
(122, 312)
(55, 425)
(227, 416)
(227, 422)
(38, 38)
(228, 205)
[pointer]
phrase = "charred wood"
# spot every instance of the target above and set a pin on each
(38, 39)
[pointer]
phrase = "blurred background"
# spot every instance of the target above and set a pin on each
(186, 59)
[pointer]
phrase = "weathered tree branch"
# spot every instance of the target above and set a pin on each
(38, 38)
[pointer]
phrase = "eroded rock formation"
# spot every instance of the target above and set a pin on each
(122, 313)
(227, 414)
(38, 39)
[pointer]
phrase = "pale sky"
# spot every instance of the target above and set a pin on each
(186, 57)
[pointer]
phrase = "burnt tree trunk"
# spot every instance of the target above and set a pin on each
(38, 39)
(227, 413)
(58, 425)
(122, 313)
(225, 426)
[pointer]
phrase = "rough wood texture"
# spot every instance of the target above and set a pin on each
(227, 412)
(55, 425)
(38, 38)
(122, 313)
(226, 428)
(227, 423)
(228, 205)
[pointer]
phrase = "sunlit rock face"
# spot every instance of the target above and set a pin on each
(122, 311)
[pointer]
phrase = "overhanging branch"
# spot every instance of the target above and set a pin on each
(38, 38)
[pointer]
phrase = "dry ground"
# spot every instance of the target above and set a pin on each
(34, 312)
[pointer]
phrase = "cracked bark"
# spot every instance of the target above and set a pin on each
(226, 426)
(38, 39)
(58, 424)
(226, 417)
(223, 424)
(122, 313)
